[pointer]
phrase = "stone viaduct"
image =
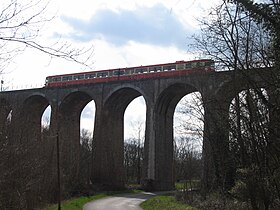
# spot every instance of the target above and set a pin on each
(111, 99)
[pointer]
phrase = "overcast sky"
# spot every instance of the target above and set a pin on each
(123, 33)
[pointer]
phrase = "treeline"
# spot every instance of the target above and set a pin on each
(27, 177)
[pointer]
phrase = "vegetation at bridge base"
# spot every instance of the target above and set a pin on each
(165, 202)
(77, 203)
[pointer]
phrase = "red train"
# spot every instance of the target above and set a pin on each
(179, 68)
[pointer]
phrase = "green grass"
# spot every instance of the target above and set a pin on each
(78, 203)
(187, 184)
(165, 202)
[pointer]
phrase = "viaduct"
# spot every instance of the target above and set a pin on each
(111, 99)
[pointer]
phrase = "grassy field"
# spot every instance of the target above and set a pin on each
(165, 202)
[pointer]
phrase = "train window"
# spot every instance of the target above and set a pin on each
(67, 78)
(209, 64)
(194, 64)
(140, 70)
(158, 68)
(201, 64)
(78, 77)
(118, 72)
(48, 80)
(169, 68)
(188, 65)
(56, 79)
(102, 74)
(90, 76)
(128, 71)
(137, 71)
(180, 66)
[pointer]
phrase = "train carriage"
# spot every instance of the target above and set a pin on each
(178, 68)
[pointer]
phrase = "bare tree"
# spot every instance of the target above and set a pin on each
(188, 130)
(133, 152)
(189, 118)
(236, 41)
(21, 23)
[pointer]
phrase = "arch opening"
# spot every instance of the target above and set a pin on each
(188, 140)
(109, 156)
(87, 121)
(164, 135)
(46, 119)
(74, 147)
(134, 138)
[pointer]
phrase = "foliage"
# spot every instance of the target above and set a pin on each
(133, 160)
(164, 202)
(27, 176)
(187, 185)
(213, 201)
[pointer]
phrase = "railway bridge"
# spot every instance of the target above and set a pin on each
(161, 95)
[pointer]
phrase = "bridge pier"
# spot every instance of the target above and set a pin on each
(217, 164)
(108, 168)
(148, 169)
(69, 144)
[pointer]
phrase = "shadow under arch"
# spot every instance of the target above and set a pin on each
(5, 110)
(232, 87)
(30, 117)
(109, 170)
(69, 113)
(164, 136)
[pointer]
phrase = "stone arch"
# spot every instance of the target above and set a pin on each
(229, 88)
(163, 115)
(109, 138)
(69, 113)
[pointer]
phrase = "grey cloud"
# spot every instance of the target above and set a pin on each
(156, 25)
